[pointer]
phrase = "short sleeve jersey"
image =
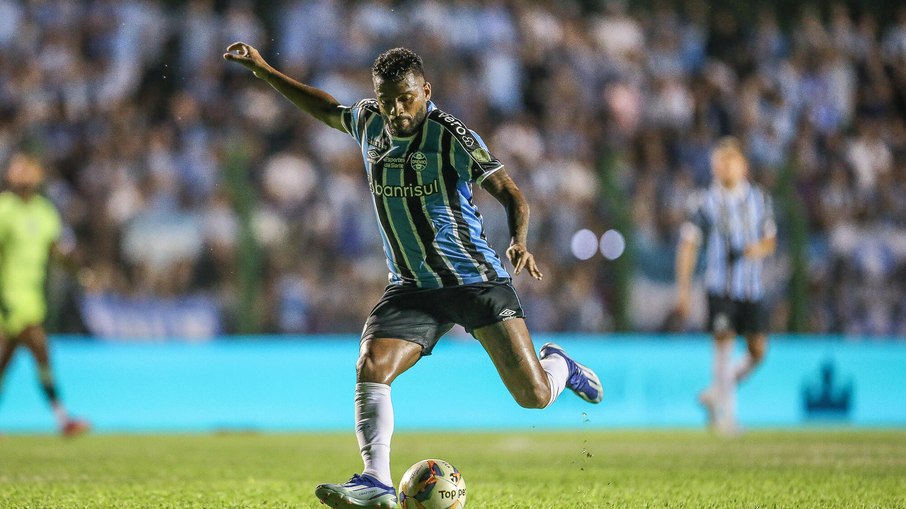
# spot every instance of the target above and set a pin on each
(728, 222)
(28, 228)
(421, 187)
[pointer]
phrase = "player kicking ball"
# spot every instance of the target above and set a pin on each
(420, 163)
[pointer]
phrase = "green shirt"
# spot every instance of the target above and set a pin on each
(28, 229)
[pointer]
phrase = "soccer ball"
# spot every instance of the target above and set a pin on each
(432, 484)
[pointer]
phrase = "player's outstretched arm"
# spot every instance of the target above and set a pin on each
(502, 187)
(313, 101)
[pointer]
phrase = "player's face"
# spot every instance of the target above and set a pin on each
(24, 175)
(403, 103)
(729, 168)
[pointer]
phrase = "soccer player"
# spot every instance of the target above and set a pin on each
(29, 227)
(420, 163)
(735, 220)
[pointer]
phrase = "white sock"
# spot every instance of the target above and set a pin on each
(557, 372)
(60, 413)
(724, 382)
(743, 368)
(374, 428)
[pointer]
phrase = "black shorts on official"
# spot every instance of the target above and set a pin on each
(423, 315)
(741, 316)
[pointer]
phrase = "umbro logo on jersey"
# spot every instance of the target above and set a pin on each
(375, 155)
(507, 313)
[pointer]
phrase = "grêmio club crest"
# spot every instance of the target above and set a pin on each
(418, 161)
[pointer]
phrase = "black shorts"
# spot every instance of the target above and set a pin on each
(739, 316)
(423, 315)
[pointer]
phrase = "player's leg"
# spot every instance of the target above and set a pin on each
(35, 339)
(719, 398)
(535, 383)
(753, 326)
(756, 347)
(511, 350)
(7, 350)
(381, 360)
(723, 397)
(24, 314)
(397, 333)
(491, 312)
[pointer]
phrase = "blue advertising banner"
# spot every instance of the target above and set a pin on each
(307, 383)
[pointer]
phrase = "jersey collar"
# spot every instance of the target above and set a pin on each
(737, 193)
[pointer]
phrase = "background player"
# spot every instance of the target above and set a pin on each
(420, 163)
(735, 219)
(29, 228)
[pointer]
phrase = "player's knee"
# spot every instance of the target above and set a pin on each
(757, 349)
(535, 396)
(366, 367)
(725, 335)
(757, 352)
(34, 343)
(369, 368)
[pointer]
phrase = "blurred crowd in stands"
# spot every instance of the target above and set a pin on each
(179, 175)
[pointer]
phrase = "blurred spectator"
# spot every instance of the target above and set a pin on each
(123, 99)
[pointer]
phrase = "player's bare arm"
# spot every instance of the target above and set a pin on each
(686, 256)
(65, 256)
(311, 100)
(502, 187)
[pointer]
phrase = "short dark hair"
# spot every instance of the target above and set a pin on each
(729, 144)
(394, 64)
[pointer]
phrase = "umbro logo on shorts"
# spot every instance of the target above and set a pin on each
(506, 313)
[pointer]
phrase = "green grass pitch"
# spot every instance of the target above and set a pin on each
(577, 469)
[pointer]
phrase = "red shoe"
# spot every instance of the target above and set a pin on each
(75, 427)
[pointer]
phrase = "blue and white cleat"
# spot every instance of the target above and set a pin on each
(358, 492)
(582, 380)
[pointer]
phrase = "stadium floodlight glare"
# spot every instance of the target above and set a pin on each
(584, 244)
(612, 244)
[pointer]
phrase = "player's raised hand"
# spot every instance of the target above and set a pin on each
(248, 56)
(521, 258)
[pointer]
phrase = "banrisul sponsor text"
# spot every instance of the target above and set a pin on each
(408, 191)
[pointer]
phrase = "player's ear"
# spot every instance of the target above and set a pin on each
(427, 89)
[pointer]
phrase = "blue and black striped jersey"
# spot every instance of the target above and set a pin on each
(421, 186)
(729, 221)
